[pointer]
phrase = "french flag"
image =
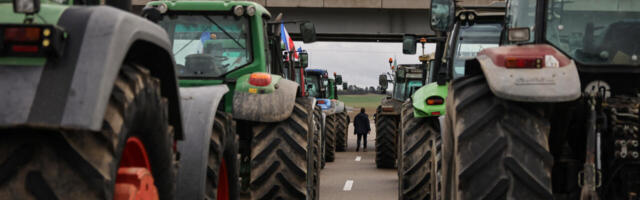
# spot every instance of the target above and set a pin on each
(286, 39)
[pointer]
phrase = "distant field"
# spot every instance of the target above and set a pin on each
(369, 101)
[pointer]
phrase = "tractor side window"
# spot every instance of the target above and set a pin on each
(267, 51)
(521, 14)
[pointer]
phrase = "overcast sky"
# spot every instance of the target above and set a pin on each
(360, 63)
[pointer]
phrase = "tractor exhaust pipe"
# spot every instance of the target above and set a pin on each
(121, 4)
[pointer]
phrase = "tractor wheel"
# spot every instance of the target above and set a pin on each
(317, 121)
(222, 170)
(500, 148)
(282, 159)
(417, 158)
(330, 138)
(342, 131)
(132, 157)
(386, 129)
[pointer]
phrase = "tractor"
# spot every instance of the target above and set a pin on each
(334, 113)
(238, 100)
(407, 78)
(90, 107)
(553, 112)
(473, 28)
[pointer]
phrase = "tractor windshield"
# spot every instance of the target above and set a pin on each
(595, 31)
(399, 89)
(471, 39)
(208, 45)
(314, 81)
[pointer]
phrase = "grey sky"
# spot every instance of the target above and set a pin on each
(360, 63)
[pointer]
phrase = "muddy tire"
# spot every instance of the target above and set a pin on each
(318, 148)
(386, 130)
(330, 138)
(59, 164)
(417, 158)
(342, 131)
(500, 147)
(282, 157)
(223, 146)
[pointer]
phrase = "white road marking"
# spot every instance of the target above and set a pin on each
(358, 158)
(347, 185)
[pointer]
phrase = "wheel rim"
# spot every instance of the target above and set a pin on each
(134, 179)
(223, 182)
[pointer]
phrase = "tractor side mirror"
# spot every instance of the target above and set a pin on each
(383, 81)
(304, 59)
(308, 32)
(338, 79)
(442, 15)
(409, 44)
(345, 85)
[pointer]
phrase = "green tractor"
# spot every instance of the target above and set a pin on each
(90, 104)
(334, 113)
(555, 108)
(407, 78)
(473, 28)
(237, 100)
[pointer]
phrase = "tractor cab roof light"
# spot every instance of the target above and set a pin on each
(26, 6)
(260, 79)
(238, 10)
(251, 10)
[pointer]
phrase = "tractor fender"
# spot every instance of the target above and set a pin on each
(73, 91)
(339, 106)
(390, 104)
(419, 100)
(270, 107)
(199, 106)
(556, 81)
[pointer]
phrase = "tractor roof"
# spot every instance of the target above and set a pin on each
(316, 71)
(210, 6)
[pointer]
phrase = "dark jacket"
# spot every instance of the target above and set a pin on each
(361, 124)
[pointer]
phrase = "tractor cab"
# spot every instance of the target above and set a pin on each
(408, 79)
(318, 86)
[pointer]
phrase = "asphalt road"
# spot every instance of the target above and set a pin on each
(353, 175)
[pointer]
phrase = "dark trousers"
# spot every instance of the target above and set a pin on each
(360, 137)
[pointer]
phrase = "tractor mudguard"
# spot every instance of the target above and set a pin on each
(267, 107)
(556, 79)
(72, 91)
(339, 106)
(419, 100)
(390, 106)
(199, 106)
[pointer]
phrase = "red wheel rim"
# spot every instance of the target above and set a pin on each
(134, 180)
(223, 182)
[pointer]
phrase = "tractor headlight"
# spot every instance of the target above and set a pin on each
(26, 6)
(471, 16)
(238, 10)
(251, 10)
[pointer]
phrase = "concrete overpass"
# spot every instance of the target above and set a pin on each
(356, 20)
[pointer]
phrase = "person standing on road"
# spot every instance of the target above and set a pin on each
(361, 128)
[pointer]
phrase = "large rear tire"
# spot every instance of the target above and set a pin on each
(500, 147)
(282, 158)
(417, 157)
(330, 138)
(342, 131)
(386, 130)
(68, 164)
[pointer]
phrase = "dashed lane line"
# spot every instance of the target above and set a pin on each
(347, 185)
(358, 158)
